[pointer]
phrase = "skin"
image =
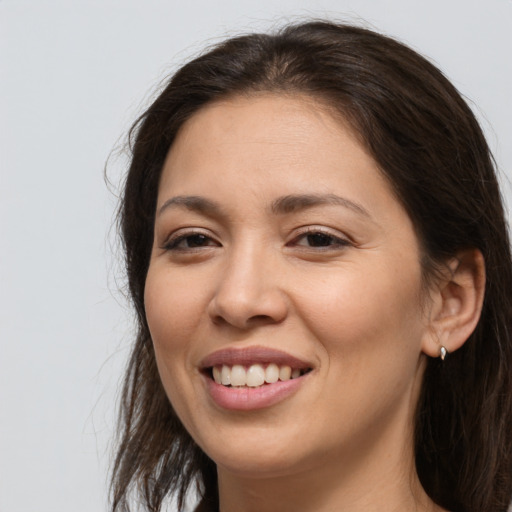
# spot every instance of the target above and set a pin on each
(353, 307)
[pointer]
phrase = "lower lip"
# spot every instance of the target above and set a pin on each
(248, 399)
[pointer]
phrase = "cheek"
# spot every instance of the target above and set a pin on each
(365, 310)
(172, 307)
(369, 327)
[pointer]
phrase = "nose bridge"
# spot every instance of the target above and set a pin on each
(248, 290)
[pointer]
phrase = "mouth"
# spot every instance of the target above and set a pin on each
(253, 377)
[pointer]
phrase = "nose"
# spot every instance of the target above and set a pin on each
(248, 293)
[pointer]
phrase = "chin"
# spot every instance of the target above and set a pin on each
(260, 453)
(259, 466)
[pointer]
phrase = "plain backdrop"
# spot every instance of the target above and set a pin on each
(73, 76)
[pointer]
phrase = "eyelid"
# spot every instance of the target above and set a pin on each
(177, 236)
(341, 238)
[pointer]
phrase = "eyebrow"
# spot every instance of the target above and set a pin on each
(281, 206)
(194, 203)
(297, 202)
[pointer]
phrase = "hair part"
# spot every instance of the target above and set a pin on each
(428, 144)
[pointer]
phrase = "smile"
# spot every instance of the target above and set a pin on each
(252, 378)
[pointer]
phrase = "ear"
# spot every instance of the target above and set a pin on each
(456, 303)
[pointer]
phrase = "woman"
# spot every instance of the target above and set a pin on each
(317, 253)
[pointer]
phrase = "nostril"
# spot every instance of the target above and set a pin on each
(244, 322)
(260, 319)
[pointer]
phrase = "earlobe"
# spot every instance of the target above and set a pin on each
(456, 304)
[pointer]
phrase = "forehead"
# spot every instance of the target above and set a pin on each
(287, 113)
(266, 133)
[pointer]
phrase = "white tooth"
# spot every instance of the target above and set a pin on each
(238, 375)
(285, 373)
(217, 376)
(255, 376)
(225, 375)
(295, 373)
(272, 373)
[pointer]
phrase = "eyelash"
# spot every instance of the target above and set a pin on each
(336, 242)
(339, 242)
(173, 243)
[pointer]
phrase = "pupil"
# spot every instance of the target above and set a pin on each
(319, 240)
(196, 240)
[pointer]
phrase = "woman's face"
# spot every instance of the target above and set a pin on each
(280, 248)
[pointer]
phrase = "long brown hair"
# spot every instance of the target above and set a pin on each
(429, 145)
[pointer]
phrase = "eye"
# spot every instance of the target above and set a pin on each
(316, 238)
(189, 241)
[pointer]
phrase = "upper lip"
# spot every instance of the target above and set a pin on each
(252, 355)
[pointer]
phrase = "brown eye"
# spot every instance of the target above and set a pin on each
(190, 241)
(195, 241)
(319, 239)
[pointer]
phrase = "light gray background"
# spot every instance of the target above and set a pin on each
(73, 75)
